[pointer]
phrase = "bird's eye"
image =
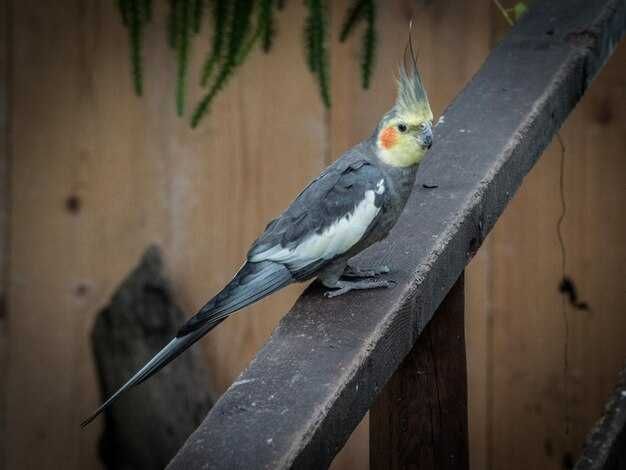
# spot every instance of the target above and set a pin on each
(421, 127)
(402, 127)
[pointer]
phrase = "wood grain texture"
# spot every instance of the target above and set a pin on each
(141, 176)
(419, 420)
(102, 174)
(5, 194)
(478, 169)
(534, 400)
(264, 141)
(477, 336)
(79, 211)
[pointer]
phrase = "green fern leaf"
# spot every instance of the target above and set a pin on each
(238, 32)
(135, 36)
(172, 25)
(355, 12)
(124, 8)
(266, 23)
(369, 44)
(197, 15)
(519, 10)
(221, 15)
(316, 48)
(183, 28)
(146, 10)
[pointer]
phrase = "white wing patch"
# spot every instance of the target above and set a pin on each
(336, 239)
(380, 187)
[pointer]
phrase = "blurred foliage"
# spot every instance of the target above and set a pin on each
(363, 10)
(317, 50)
(237, 27)
(514, 14)
(135, 14)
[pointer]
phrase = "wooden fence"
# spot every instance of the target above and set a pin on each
(92, 174)
(313, 381)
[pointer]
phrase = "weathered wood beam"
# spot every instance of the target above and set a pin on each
(310, 385)
(419, 420)
(605, 447)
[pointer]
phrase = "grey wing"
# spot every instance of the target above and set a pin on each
(329, 217)
(253, 282)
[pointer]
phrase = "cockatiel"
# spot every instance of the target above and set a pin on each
(351, 205)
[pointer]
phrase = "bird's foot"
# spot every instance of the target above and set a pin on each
(355, 272)
(341, 287)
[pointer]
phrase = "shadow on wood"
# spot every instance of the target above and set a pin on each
(145, 428)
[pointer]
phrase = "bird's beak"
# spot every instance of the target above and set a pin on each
(426, 139)
(428, 143)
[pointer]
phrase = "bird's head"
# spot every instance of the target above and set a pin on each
(405, 134)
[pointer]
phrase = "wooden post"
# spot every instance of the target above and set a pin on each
(420, 418)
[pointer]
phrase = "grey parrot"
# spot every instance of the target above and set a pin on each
(351, 205)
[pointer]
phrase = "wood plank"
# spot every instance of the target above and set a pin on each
(5, 194)
(439, 29)
(237, 172)
(532, 393)
(78, 218)
(139, 175)
(347, 349)
(139, 182)
(478, 321)
(419, 420)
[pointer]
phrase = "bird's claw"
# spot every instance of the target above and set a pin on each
(345, 286)
(354, 272)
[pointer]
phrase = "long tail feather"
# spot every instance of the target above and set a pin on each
(253, 282)
(164, 356)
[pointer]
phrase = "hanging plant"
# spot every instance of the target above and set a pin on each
(317, 50)
(238, 26)
(363, 10)
(239, 41)
(135, 14)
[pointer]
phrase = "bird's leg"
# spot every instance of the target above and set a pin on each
(341, 287)
(352, 271)
(331, 278)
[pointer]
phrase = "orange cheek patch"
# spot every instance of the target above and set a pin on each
(388, 137)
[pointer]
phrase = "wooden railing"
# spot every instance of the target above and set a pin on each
(329, 360)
